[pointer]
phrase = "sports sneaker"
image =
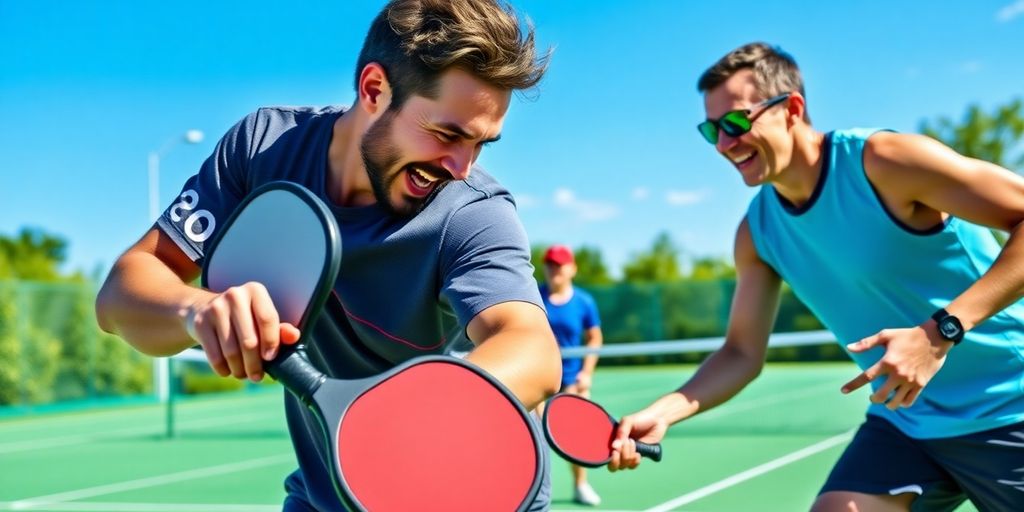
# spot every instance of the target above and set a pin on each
(585, 495)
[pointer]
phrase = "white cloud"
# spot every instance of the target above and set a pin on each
(583, 210)
(1010, 12)
(640, 193)
(686, 197)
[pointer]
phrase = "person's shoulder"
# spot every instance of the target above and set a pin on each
(483, 185)
(481, 192)
(860, 136)
(287, 115)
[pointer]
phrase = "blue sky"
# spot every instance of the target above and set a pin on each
(605, 154)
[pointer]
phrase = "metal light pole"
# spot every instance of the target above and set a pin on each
(161, 365)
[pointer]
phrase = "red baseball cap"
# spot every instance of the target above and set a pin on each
(558, 254)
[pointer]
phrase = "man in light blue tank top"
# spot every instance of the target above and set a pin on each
(886, 237)
(434, 252)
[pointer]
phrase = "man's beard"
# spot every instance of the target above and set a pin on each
(380, 154)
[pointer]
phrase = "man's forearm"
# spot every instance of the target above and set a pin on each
(527, 364)
(145, 303)
(1000, 286)
(724, 374)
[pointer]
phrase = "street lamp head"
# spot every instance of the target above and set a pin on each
(194, 136)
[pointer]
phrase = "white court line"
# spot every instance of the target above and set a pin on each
(752, 472)
(53, 442)
(116, 414)
(93, 506)
(88, 492)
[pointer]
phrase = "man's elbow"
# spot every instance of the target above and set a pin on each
(104, 308)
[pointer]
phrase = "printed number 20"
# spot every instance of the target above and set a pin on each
(189, 200)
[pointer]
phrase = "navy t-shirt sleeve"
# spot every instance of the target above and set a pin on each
(485, 259)
(208, 197)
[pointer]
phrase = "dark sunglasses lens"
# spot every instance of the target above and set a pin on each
(709, 130)
(735, 123)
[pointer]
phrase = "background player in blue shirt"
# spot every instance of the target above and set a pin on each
(573, 316)
(886, 237)
(434, 252)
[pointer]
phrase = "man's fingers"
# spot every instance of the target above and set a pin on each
(267, 322)
(862, 379)
(864, 344)
(211, 346)
(289, 334)
(881, 395)
(897, 399)
(911, 397)
(247, 337)
(622, 433)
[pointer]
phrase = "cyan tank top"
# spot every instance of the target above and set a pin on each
(861, 270)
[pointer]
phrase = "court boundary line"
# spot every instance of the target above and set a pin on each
(140, 483)
(753, 472)
(95, 506)
(59, 441)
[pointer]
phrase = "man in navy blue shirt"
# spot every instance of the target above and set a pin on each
(434, 253)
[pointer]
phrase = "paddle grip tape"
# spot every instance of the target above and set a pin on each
(651, 451)
(293, 369)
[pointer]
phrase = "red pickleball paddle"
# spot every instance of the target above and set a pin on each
(434, 433)
(582, 432)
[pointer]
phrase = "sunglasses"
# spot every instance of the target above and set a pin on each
(737, 122)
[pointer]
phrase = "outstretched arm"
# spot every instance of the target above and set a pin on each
(723, 374)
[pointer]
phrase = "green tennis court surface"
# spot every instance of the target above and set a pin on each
(768, 449)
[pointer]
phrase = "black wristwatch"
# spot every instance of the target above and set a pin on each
(949, 326)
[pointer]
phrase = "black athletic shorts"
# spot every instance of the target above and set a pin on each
(985, 467)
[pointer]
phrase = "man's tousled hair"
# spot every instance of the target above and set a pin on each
(415, 41)
(775, 71)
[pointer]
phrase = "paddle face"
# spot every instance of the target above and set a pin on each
(457, 441)
(412, 438)
(581, 431)
(283, 237)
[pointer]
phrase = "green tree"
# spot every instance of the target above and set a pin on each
(590, 267)
(32, 254)
(10, 347)
(994, 137)
(537, 258)
(659, 264)
(712, 269)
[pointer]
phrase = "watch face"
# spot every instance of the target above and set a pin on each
(949, 328)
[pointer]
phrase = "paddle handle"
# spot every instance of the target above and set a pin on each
(291, 367)
(651, 451)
